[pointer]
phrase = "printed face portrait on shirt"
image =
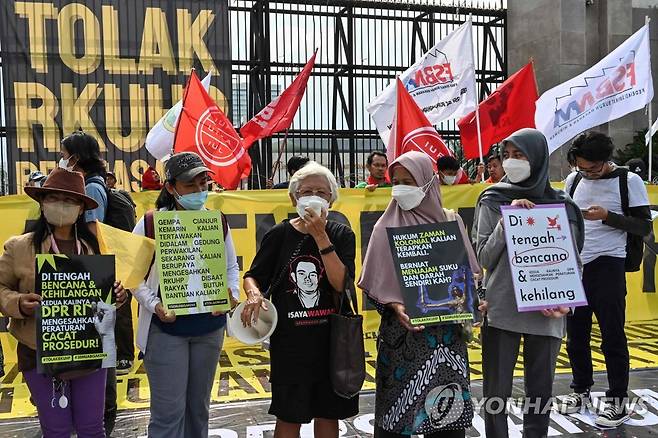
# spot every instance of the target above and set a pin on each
(306, 273)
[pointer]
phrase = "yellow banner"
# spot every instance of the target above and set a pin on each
(244, 371)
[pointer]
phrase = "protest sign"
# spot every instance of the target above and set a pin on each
(542, 257)
(191, 261)
(75, 322)
(434, 273)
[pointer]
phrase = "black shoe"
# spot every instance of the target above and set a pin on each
(613, 415)
(574, 402)
(124, 366)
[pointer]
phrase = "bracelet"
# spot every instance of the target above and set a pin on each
(328, 250)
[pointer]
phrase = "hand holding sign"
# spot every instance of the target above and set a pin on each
(28, 303)
(403, 318)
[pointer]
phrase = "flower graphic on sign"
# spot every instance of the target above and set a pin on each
(530, 221)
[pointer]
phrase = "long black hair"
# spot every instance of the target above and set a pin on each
(41, 230)
(166, 199)
(88, 152)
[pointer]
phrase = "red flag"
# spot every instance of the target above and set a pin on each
(411, 131)
(509, 108)
(277, 115)
(203, 128)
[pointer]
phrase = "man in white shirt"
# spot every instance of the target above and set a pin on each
(614, 203)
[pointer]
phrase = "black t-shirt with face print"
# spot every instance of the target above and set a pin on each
(289, 267)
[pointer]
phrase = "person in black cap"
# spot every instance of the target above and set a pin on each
(36, 179)
(184, 346)
(637, 166)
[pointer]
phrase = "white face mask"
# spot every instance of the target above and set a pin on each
(315, 203)
(66, 164)
(516, 170)
(449, 179)
(409, 197)
(60, 214)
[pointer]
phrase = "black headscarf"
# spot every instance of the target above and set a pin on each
(537, 188)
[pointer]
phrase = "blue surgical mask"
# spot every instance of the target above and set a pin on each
(192, 201)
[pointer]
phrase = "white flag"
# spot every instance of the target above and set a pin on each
(442, 83)
(618, 84)
(160, 139)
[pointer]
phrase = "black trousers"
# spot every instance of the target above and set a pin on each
(123, 332)
(500, 349)
(110, 412)
(381, 433)
(604, 280)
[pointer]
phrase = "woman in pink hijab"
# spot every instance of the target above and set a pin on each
(423, 384)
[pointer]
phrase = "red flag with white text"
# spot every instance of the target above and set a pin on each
(277, 115)
(204, 129)
(412, 131)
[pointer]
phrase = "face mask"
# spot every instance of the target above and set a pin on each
(449, 179)
(516, 170)
(60, 214)
(409, 197)
(192, 201)
(315, 203)
(66, 164)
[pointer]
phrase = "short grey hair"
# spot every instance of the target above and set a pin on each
(313, 168)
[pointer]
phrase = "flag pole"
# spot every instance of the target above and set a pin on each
(647, 20)
(282, 147)
(477, 107)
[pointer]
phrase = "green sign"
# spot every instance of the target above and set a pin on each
(191, 261)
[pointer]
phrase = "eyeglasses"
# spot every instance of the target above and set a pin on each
(591, 171)
(321, 193)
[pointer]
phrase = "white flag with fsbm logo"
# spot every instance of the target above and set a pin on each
(442, 83)
(160, 139)
(619, 84)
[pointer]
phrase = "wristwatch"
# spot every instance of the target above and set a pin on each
(328, 250)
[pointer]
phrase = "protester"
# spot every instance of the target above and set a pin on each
(36, 179)
(180, 352)
(597, 191)
(61, 228)
(110, 180)
(639, 167)
(377, 164)
(151, 179)
(525, 160)
(295, 163)
(451, 173)
(416, 200)
(298, 266)
(81, 152)
(495, 169)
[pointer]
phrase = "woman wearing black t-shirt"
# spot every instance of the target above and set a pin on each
(300, 263)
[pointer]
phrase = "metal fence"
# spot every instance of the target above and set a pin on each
(362, 46)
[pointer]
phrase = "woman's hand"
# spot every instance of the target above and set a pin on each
(556, 312)
(523, 203)
(120, 294)
(403, 318)
(164, 315)
(252, 307)
(28, 303)
(316, 225)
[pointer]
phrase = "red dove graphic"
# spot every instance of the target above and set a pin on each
(552, 222)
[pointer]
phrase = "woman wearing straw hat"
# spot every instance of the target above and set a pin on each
(432, 360)
(61, 228)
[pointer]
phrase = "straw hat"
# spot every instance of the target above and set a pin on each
(66, 182)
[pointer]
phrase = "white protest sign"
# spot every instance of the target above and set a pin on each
(542, 256)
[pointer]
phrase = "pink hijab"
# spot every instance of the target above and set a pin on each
(378, 279)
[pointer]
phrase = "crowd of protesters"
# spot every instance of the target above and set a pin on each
(601, 211)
